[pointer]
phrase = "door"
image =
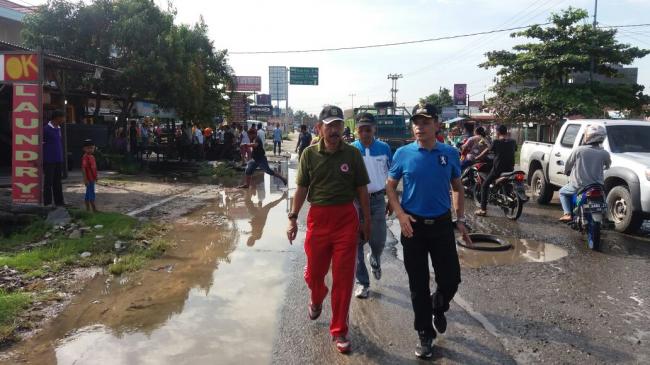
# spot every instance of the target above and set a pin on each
(560, 153)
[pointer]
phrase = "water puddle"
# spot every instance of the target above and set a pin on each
(212, 299)
(522, 251)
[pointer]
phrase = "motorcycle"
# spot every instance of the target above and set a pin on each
(469, 176)
(507, 192)
(589, 208)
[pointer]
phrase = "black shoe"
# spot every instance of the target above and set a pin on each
(440, 322)
(424, 350)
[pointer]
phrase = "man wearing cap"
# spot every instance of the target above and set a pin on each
(429, 170)
(331, 174)
(377, 157)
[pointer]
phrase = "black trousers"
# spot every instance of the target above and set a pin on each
(436, 240)
(52, 183)
(485, 188)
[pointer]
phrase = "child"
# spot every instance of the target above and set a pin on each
(89, 171)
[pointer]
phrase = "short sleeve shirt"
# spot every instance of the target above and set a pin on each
(377, 159)
(332, 178)
(427, 177)
(89, 167)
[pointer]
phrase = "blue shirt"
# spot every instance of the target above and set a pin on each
(377, 159)
(277, 135)
(427, 177)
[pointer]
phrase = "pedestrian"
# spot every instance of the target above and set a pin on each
(585, 166)
(330, 175)
(198, 142)
(504, 149)
(89, 172)
(228, 143)
(304, 140)
(244, 146)
(258, 160)
(261, 133)
(277, 139)
(430, 169)
(53, 160)
(377, 157)
(474, 147)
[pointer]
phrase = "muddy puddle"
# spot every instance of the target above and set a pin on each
(522, 250)
(212, 299)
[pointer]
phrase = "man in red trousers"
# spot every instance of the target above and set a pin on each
(331, 175)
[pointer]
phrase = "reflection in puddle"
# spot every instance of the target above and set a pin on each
(210, 300)
(522, 251)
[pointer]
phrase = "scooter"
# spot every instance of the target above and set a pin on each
(589, 209)
(507, 192)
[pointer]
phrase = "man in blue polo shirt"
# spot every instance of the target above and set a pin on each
(429, 170)
(377, 157)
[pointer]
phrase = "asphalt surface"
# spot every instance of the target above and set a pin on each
(586, 308)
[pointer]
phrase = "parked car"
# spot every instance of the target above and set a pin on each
(627, 181)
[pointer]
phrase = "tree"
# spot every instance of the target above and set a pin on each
(440, 99)
(561, 54)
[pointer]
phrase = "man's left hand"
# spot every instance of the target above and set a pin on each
(365, 230)
(462, 229)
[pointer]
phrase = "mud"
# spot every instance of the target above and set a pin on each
(523, 250)
(212, 299)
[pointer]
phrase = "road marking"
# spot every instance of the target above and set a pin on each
(133, 213)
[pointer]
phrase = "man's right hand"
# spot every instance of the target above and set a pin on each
(405, 221)
(292, 231)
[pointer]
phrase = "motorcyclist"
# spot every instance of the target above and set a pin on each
(585, 166)
(473, 147)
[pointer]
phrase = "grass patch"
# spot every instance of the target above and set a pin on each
(11, 305)
(28, 234)
(220, 170)
(127, 263)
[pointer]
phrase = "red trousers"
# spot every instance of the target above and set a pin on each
(332, 236)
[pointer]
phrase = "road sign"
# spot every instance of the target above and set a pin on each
(278, 87)
(303, 75)
(260, 110)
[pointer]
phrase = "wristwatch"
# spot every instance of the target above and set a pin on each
(292, 215)
(462, 219)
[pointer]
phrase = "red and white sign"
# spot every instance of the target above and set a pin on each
(248, 83)
(18, 67)
(27, 144)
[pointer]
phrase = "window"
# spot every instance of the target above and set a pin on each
(570, 134)
(629, 138)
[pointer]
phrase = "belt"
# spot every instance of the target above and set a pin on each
(378, 193)
(429, 221)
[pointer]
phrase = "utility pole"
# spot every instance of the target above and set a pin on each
(592, 69)
(393, 90)
(352, 96)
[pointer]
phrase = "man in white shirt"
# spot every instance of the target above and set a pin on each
(377, 157)
(261, 133)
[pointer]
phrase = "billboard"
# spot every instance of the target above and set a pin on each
(263, 99)
(260, 110)
(460, 94)
(18, 67)
(303, 75)
(278, 83)
(248, 83)
(26, 173)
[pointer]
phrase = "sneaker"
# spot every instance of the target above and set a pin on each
(315, 311)
(361, 292)
(374, 266)
(424, 350)
(342, 344)
(440, 322)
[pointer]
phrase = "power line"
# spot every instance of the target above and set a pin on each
(413, 42)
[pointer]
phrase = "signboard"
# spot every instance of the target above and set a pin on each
(15, 67)
(460, 94)
(248, 83)
(258, 110)
(238, 104)
(303, 75)
(264, 99)
(26, 150)
(278, 83)
(448, 112)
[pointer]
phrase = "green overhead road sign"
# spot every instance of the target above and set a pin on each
(303, 75)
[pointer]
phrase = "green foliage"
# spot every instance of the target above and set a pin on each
(28, 234)
(440, 99)
(11, 305)
(559, 53)
(176, 65)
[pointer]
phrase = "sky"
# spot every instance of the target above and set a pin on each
(263, 25)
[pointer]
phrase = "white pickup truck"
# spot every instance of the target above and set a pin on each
(627, 181)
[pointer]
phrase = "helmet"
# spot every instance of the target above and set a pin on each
(595, 134)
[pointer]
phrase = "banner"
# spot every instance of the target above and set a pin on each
(460, 94)
(248, 83)
(27, 142)
(18, 67)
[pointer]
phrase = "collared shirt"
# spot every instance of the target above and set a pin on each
(332, 178)
(377, 159)
(277, 135)
(427, 177)
(262, 134)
